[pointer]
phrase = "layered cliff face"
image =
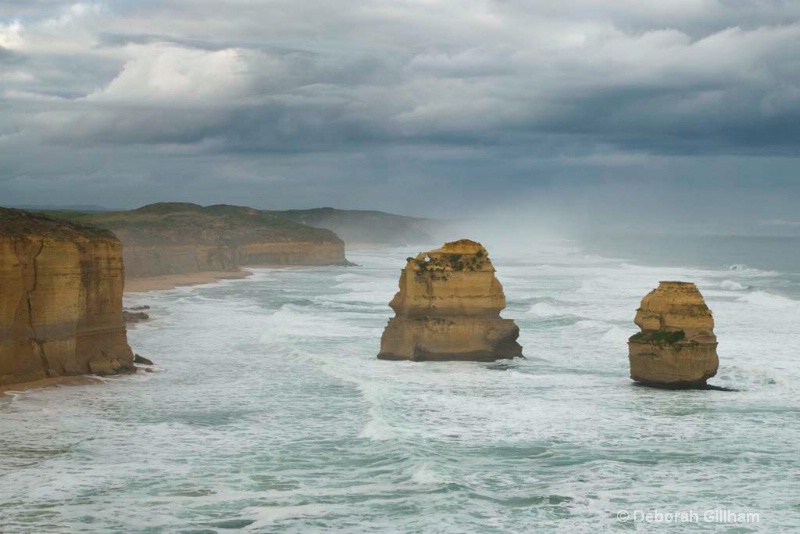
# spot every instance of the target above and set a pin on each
(448, 308)
(156, 260)
(677, 346)
(180, 238)
(293, 253)
(60, 300)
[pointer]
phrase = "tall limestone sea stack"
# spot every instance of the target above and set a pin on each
(60, 300)
(448, 308)
(677, 347)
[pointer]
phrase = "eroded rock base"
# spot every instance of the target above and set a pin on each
(679, 366)
(437, 339)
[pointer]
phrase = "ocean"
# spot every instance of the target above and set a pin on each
(269, 412)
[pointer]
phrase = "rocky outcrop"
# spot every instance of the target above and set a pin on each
(141, 360)
(448, 308)
(60, 300)
(677, 347)
(134, 317)
(181, 238)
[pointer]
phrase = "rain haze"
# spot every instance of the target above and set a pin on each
(637, 115)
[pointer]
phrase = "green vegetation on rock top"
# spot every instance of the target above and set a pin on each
(449, 262)
(659, 337)
(18, 223)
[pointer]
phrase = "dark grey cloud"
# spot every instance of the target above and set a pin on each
(319, 101)
(8, 57)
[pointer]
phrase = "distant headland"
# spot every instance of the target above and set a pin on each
(178, 243)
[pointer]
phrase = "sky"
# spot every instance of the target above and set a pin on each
(648, 114)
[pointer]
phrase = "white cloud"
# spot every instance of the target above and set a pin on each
(11, 35)
(166, 74)
(75, 14)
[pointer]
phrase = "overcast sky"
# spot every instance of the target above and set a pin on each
(670, 112)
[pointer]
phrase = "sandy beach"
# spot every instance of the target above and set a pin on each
(171, 281)
(49, 382)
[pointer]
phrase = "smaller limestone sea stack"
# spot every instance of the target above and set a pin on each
(448, 308)
(677, 347)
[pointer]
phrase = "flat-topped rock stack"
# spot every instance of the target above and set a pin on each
(677, 347)
(448, 308)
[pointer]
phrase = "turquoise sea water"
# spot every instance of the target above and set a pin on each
(268, 412)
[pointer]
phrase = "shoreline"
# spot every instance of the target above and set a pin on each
(172, 281)
(53, 381)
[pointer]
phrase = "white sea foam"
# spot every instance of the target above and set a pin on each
(545, 309)
(271, 412)
(744, 270)
(266, 517)
(426, 474)
(732, 285)
(617, 335)
(375, 429)
(771, 301)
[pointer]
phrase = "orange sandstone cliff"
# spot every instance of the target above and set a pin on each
(60, 300)
(677, 346)
(448, 308)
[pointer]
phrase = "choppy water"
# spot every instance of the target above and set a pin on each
(269, 413)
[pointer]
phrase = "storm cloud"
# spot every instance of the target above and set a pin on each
(398, 104)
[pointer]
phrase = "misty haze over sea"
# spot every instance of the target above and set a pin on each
(737, 253)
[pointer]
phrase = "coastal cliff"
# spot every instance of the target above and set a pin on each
(677, 347)
(60, 300)
(366, 228)
(181, 238)
(448, 308)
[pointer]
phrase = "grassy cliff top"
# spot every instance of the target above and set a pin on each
(17, 223)
(176, 223)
